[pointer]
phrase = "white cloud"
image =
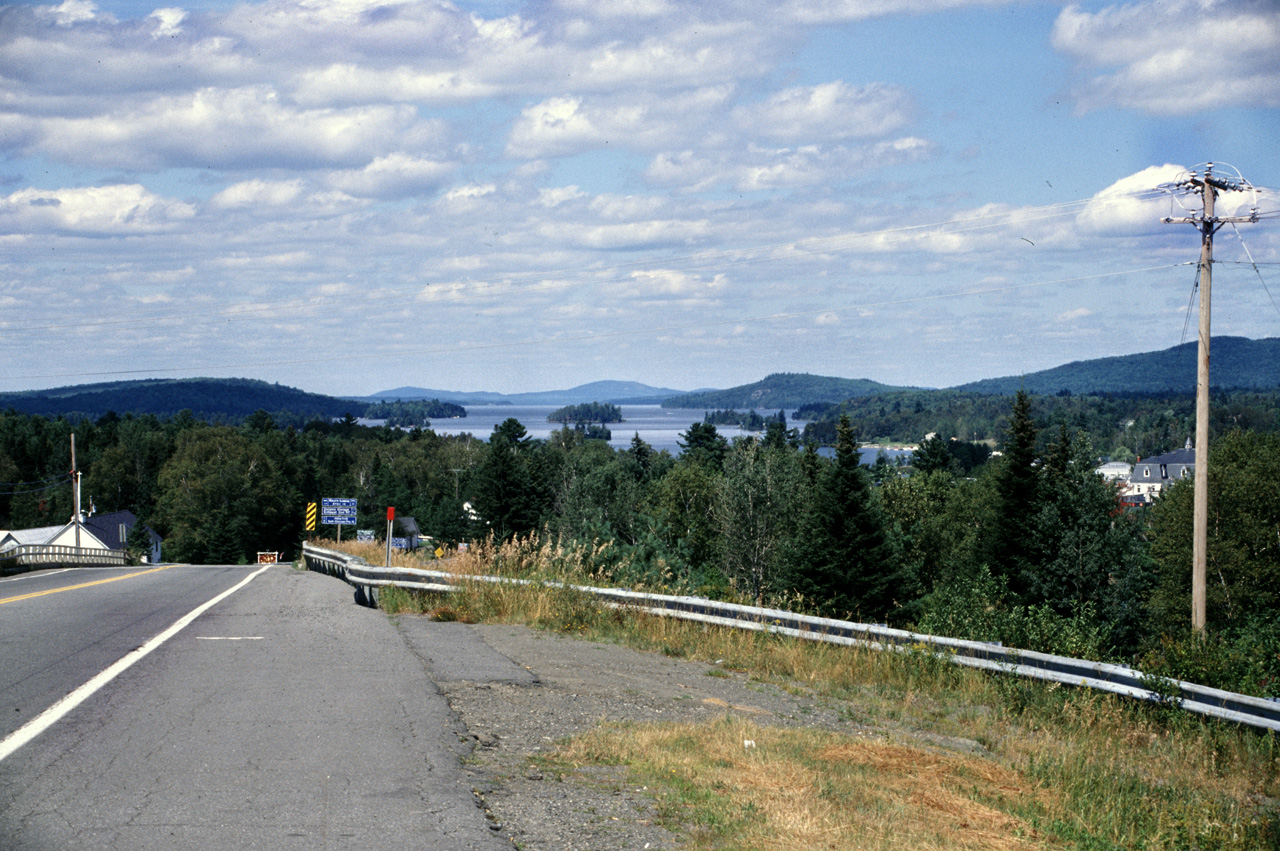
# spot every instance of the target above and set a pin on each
(1131, 205)
(71, 12)
(628, 207)
(758, 168)
(1071, 315)
(632, 235)
(624, 9)
(836, 11)
(226, 128)
(560, 126)
(168, 22)
(555, 126)
(470, 192)
(348, 83)
(393, 176)
(258, 193)
(654, 283)
(685, 169)
(556, 196)
(830, 111)
(119, 210)
(1174, 57)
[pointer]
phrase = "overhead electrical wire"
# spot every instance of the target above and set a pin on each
(1248, 254)
(34, 487)
(1195, 287)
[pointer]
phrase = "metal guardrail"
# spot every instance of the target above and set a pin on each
(1101, 676)
(28, 556)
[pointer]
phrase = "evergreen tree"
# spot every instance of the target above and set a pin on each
(507, 492)
(1086, 551)
(702, 444)
(933, 456)
(1009, 538)
(846, 562)
(641, 457)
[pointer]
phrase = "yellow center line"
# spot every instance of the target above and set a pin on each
(81, 585)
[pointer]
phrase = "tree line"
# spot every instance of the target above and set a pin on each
(1029, 547)
(1121, 426)
(586, 413)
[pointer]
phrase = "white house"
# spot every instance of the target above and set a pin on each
(1115, 471)
(57, 536)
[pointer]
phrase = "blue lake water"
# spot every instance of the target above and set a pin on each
(658, 426)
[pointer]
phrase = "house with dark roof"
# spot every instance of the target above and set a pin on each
(114, 528)
(1152, 475)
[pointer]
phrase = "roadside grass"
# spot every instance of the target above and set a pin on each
(376, 554)
(739, 785)
(1051, 767)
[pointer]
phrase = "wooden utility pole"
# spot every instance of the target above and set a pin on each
(1207, 185)
(75, 490)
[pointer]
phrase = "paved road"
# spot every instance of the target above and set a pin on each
(283, 717)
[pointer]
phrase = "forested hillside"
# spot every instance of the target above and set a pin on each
(223, 399)
(219, 400)
(1030, 547)
(1237, 364)
(782, 390)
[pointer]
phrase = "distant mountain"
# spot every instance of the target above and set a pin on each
(615, 392)
(410, 394)
(206, 398)
(783, 390)
(1235, 363)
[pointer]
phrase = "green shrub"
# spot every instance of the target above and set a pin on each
(1245, 660)
(975, 606)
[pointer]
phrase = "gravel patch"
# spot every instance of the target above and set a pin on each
(519, 691)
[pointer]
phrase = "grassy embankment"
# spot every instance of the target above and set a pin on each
(1058, 768)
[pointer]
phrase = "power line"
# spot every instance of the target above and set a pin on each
(60, 482)
(1248, 254)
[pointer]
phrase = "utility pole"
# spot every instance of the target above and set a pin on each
(1207, 185)
(75, 490)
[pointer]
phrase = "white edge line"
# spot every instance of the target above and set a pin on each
(54, 713)
(34, 575)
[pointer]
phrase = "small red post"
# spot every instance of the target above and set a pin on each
(391, 519)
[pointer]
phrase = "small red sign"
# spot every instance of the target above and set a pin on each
(391, 513)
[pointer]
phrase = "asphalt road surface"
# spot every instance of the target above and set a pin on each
(282, 717)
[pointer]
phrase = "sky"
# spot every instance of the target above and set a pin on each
(349, 196)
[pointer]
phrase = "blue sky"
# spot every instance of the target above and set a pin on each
(356, 195)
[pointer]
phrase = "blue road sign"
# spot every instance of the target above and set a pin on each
(337, 511)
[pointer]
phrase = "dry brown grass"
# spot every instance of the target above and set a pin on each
(809, 789)
(376, 554)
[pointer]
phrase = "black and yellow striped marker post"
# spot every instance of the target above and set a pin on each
(311, 516)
